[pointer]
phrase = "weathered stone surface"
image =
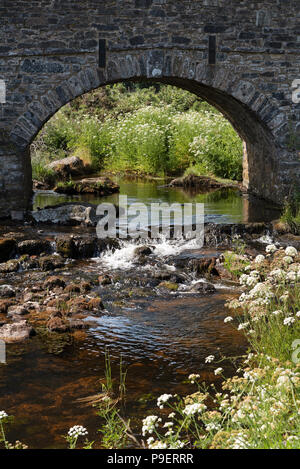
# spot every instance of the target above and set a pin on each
(199, 183)
(67, 214)
(49, 56)
(7, 291)
(9, 266)
(101, 186)
(16, 332)
(53, 262)
(19, 310)
(52, 282)
(203, 288)
(34, 247)
(68, 167)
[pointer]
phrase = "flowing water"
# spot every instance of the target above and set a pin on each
(161, 335)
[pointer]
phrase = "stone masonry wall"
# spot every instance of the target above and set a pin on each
(53, 51)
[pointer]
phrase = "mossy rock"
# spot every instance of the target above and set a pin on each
(169, 286)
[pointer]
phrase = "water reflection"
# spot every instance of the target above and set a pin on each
(222, 206)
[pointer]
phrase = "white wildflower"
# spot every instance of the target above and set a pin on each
(163, 399)
(288, 321)
(193, 377)
(259, 259)
(218, 371)
(192, 409)
(209, 359)
(77, 431)
(291, 251)
(228, 319)
(271, 248)
(150, 423)
(3, 415)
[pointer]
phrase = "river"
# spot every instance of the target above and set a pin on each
(162, 336)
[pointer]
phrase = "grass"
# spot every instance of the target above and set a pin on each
(156, 130)
(291, 213)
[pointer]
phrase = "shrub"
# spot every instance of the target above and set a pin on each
(157, 130)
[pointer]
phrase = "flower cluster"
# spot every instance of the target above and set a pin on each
(150, 423)
(163, 399)
(77, 431)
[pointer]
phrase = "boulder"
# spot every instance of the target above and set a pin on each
(58, 324)
(9, 266)
(66, 214)
(68, 167)
(7, 248)
(34, 247)
(203, 288)
(53, 282)
(168, 286)
(53, 262)
(19, 310)
(4, 305)
(76, 247)
(16, 332)
(199, 183)
(7, 291)
(65, 246)
(143, 251)
(101, 186)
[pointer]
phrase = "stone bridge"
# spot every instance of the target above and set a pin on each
(241, 56)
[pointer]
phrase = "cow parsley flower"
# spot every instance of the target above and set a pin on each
(177, 445)
(291, 251)
(288, 321)
(193, 409)
(77, 430)
(218, 371)
(259, 259)
(150, 423)
(228, 319)
(271, 248)
(163, 399)
(3, 415)
(193, 377)
(209, 359)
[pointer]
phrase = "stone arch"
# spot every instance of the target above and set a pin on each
(255, 117)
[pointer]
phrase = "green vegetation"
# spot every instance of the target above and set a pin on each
(291, 214)
(154, 130)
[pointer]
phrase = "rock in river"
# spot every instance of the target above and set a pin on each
(34, 246)
(203, 288)
(7, 291)
(66, 214)
(16, 332)
(101, 186)
(199, 183)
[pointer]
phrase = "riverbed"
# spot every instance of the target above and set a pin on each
(162, 334)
